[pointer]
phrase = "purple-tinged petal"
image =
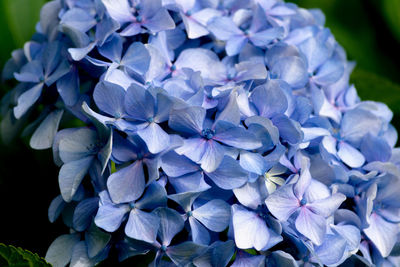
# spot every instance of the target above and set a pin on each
(109, 217)
(382, 233)
(282, 203)
(304, 179)
(127, 184)
(136, 58)
(142, 225)
(161, 21)
(326, 207)
(311, 225)
(249, 229)
(229, 174)
(193, 28)
(214, 215)
(350, 155)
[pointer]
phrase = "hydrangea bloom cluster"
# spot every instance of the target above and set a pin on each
(216, 132)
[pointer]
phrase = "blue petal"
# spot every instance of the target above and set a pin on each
(332, 250)
(71, 175)
(80, 256)
(249, 195)
(289, 130)
(281, 258)
(127, 184)
(31, 72)
(200, 235)
(213, 156)
(214, 215)
(223, 28)
(110, 216)
(79, 19)
(200, 59)
(189, 183)
(188, 120)
(27, 99)
(249, 229)
(327, 206)
(382, 233)
(56, 207)
(96, 241)
(68, 88)
(375, 149)
(253, 162)
(292, 70)
(350, 155)
(238, 137)
(185, 252)
(161, 21)
(171, 223)
(109, 98)
(74, 145)
(43, 136)
(229, 174)
(193, 148)
(175, 165)
(84, 213)
(60, 251)
(139, 103)
(136, 58)
(154, 196)
(269, 99)
(235, 44)
(329, 73)
(263, 38)
(142, 226)
(304, 180)
(249, 70)
(185, 199)
(244, 260)
(311, 225)
(155, 138)
(218, 254)
(282, 203)
(231, 112)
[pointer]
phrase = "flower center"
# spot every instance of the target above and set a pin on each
(208, 133)
(303, 202)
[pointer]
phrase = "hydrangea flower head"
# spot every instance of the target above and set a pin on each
(214, 133)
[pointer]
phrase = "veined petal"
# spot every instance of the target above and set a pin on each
(142, 225)
(327, 206)
(311, 225)
(282, 203)
(155, 138)
(215, 215)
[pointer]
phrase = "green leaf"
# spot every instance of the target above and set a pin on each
(21, 17)
(12, 256)
(391, 10)
(371, 86)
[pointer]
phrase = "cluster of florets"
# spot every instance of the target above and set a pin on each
(216, 133)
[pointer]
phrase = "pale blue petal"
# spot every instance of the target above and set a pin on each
(311, 225)
(142, 226)
(214, 215)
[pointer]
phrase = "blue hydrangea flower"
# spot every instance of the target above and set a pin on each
(212, 133)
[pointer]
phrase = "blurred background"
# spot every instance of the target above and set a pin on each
(369, 30)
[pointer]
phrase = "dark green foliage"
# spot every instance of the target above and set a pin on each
(18, 257)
